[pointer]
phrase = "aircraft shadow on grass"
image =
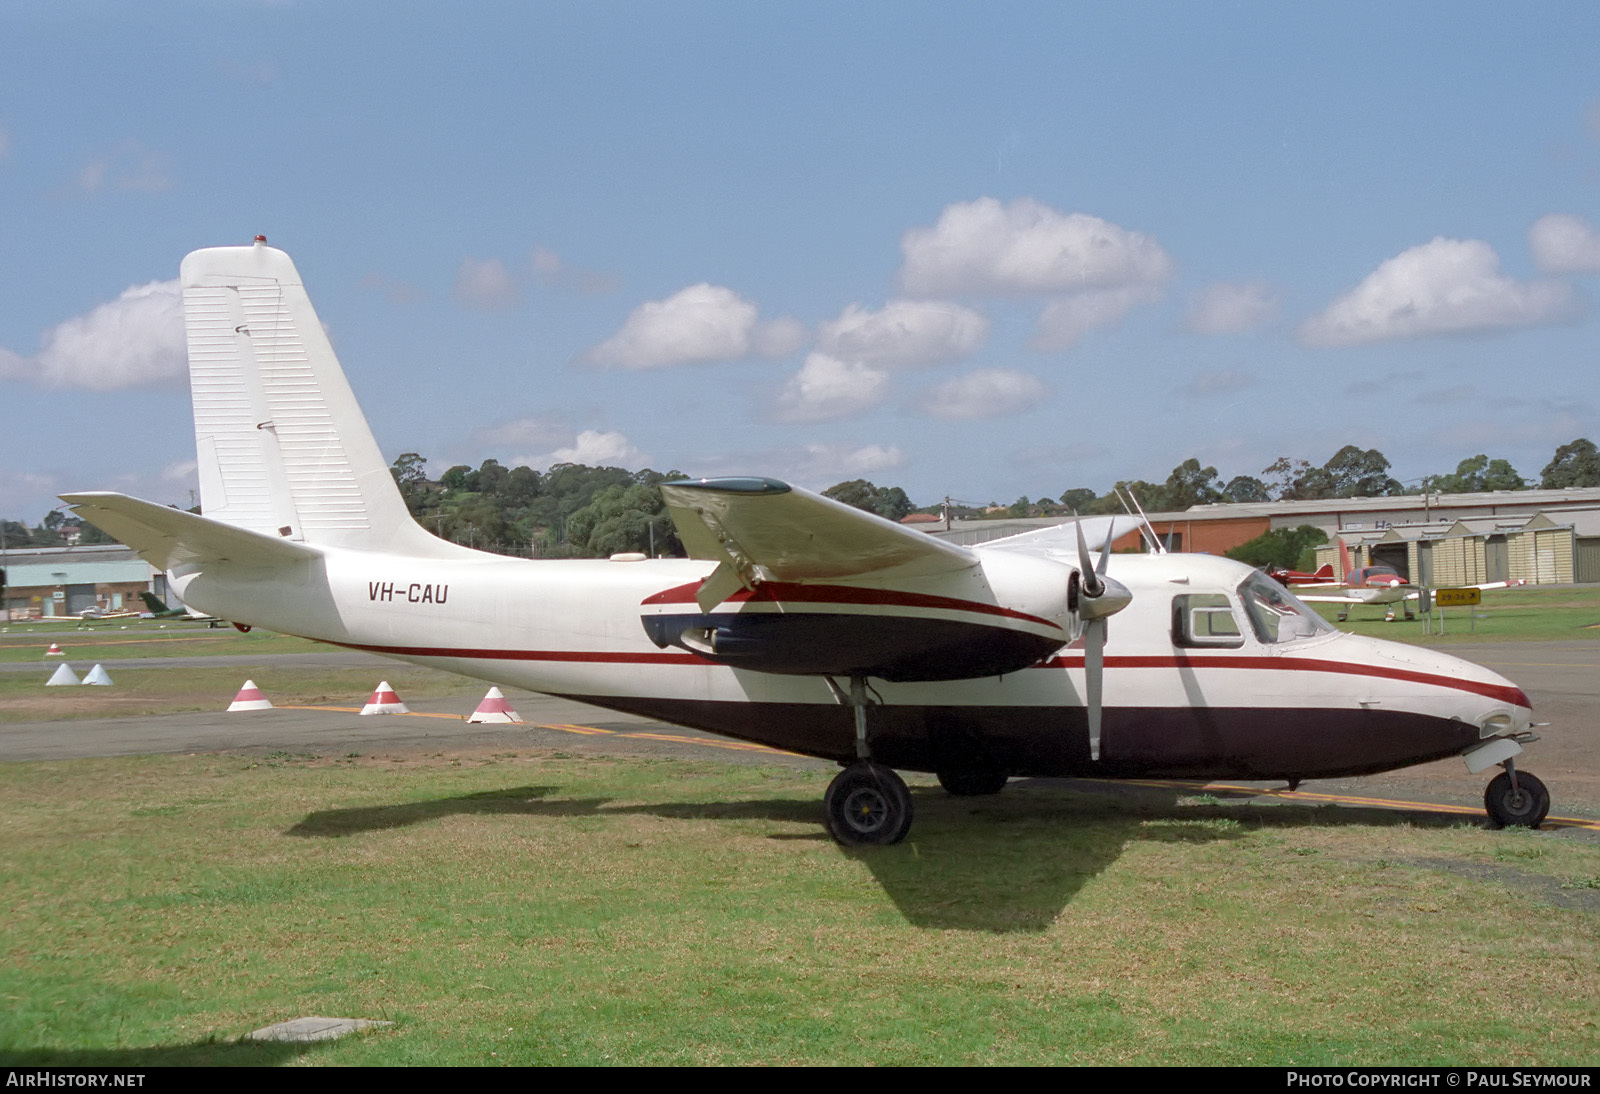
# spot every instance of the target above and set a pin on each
(1010, 862)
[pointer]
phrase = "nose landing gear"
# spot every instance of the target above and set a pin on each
(1516, 799)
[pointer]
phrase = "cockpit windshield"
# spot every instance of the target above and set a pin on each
(1276, 614)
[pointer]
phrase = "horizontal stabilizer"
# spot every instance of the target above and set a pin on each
(794, 535)
(167, 538)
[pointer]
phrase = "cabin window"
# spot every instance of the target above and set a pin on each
(1276, 615)
(1205, 619)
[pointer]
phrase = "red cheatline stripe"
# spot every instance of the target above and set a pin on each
(772, 592)
(1503, 692)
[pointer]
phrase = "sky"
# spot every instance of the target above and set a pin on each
(977, 251)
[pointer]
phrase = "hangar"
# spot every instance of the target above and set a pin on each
(43, 582)
(1541, 536)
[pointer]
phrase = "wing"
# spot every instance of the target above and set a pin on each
(1061, 540)
(806, 585)
(167, 538)
(759, 529)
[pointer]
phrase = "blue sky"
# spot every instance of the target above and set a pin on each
(982, 251)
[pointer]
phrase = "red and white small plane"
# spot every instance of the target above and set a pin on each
(797, 621)
(1374, 584)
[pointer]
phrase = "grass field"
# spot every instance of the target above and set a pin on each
(542, 909)
(1506, 615)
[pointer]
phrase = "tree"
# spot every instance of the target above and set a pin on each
(1190, 485)
(1246, 488)
(1575, 464)
(1478, 473)
(1357, 473)
(1285, 548)
(624, 518)
(1078, 499)
(889, 502)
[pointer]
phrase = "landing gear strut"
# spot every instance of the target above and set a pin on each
(1516, 799)
(866, 803)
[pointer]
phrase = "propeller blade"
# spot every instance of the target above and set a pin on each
(1094, 664)
(1092, 585)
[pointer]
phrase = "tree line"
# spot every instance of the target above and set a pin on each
(576, 511)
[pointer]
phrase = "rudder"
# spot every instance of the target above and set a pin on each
(282, 446)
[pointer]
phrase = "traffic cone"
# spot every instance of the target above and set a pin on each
(98, 675)
(64, 676)
(249, 698)
(54, 651)
(384, 701)
(495, 708)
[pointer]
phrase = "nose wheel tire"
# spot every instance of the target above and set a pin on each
(868, 804)
(1524, 807)
(972, 784)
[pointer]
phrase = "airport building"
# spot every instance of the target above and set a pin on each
(1542, 537)
(45, 582)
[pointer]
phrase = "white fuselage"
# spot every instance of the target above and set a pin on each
(1325, 704)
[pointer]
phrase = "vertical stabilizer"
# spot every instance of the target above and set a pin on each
(282, 446)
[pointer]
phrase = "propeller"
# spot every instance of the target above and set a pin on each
(1101, 599)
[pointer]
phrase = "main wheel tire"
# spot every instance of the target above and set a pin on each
(1524, 807)
(973, 784)
(868, 804)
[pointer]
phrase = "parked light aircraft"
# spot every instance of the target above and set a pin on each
(797, 621)
(1377, 584)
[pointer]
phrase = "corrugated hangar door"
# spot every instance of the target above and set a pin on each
(1588, 559)
(1496, 559)
(79, 598)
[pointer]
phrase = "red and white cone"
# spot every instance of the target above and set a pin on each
(54, 651)
(384, 701)
(249, 698)
(495, 708)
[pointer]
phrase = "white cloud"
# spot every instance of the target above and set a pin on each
(827, 388)
(592, 447)
(1563, 243)
(813, 466)
(701, 323)
(1223, 308)
(1065, 321)
(486, 283)
(553, 271)
(180, 471)
(525, 434)
(986, 393)
(1025, 248)
(136, 340)
(131, 166)
(904, 333)
(1447, 286)
(1220, 382)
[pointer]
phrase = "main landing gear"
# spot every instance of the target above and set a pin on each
(866, 803)
(1516, 799)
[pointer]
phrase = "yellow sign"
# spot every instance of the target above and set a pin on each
(1456, 598)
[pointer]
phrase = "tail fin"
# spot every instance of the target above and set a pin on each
(283, 448)
(1325, 572)
(1344, 561)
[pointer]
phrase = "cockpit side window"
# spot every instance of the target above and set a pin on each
(1205, 620)
(1276, 615)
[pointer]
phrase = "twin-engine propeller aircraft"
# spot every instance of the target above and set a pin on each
(797, 622)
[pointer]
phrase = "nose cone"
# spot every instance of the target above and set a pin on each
(1450, 686)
